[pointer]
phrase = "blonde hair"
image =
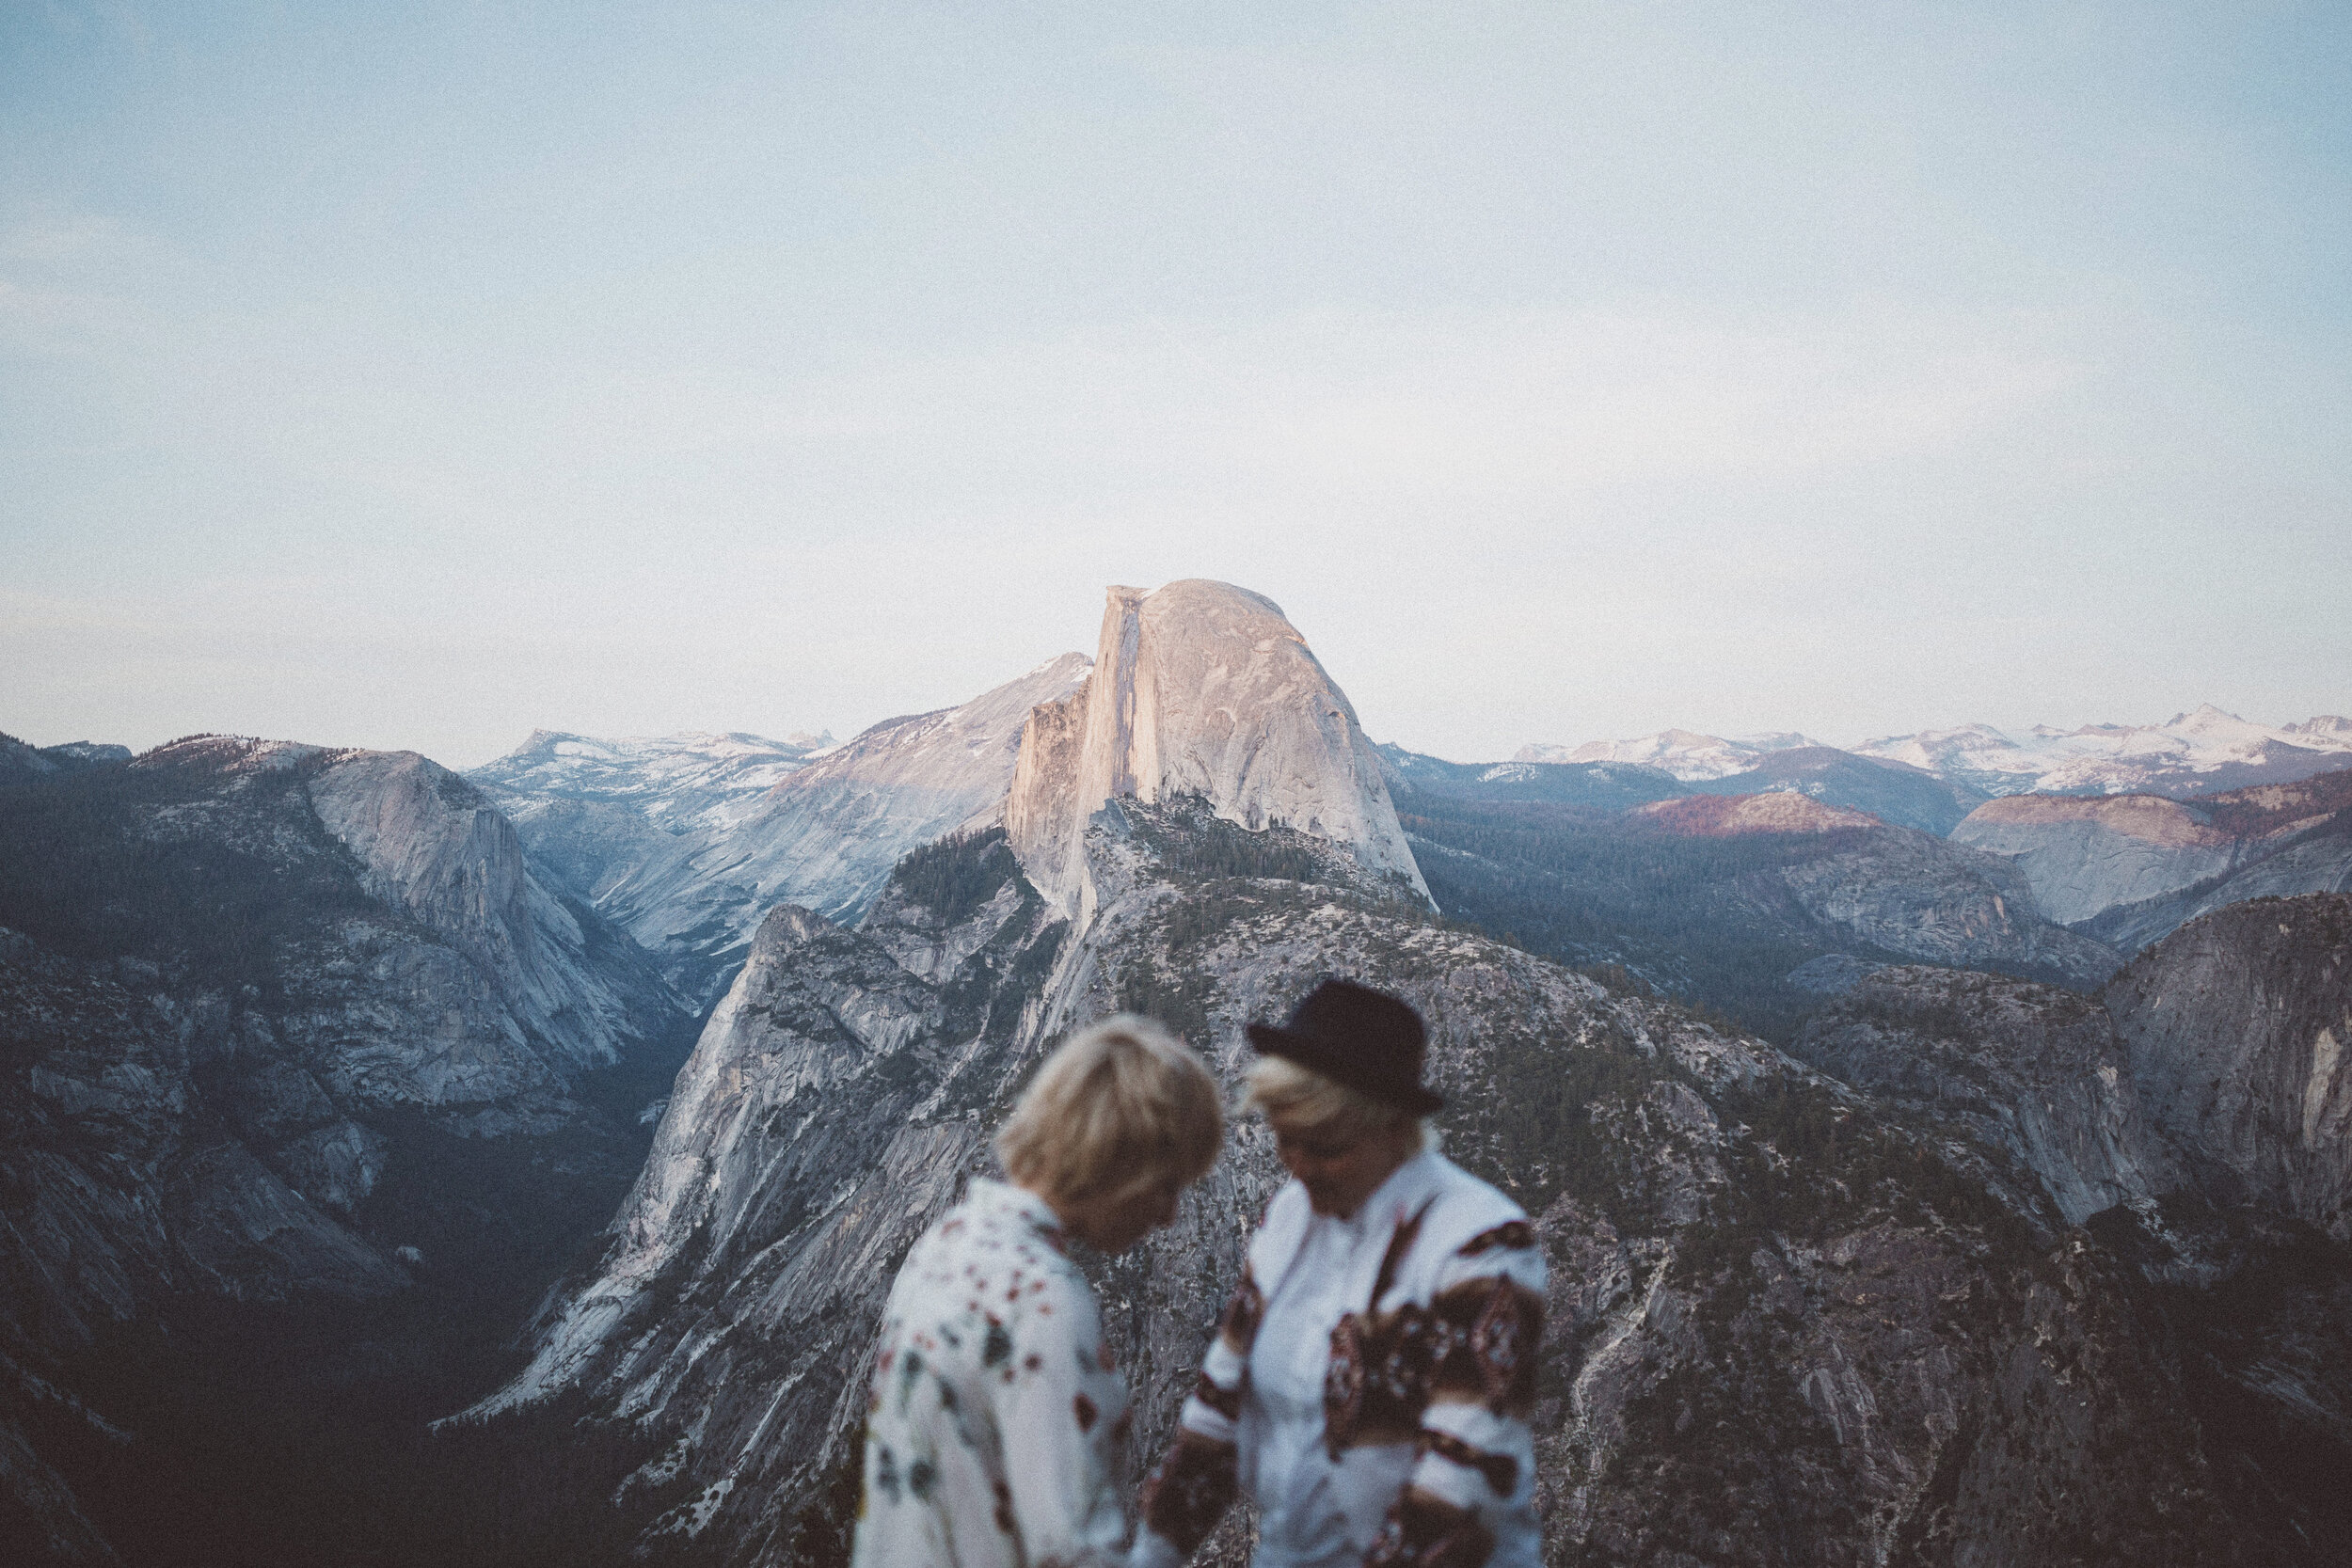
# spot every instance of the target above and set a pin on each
(1123, 1106)
(1300, 1100)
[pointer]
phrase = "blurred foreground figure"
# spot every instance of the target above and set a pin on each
(997, 1410)
(1370, 1381)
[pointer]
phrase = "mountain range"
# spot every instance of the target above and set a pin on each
(400, 1166)
(2196, 753)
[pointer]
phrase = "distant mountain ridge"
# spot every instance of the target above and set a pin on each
(2130, 868)
(687, 841)
(683, 780)
(2201, 752)
(1687, 754)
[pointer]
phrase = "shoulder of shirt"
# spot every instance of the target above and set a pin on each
(1280, 1232)
(1463, 1209)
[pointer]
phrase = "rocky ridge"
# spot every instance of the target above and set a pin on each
(1687, 754)
(1790, 1323)
(2195, 753)
(2192, 755)
(676, 782)
(22, 761)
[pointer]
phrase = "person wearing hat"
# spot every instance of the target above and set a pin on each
(1371, 1380)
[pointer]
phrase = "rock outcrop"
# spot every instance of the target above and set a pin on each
(436, 850)
(841, 1093)
(1199, 688)
(2085, 854)
(1896, 890)
(2212, 1063)
(2031, 1072)
(2238, 1028)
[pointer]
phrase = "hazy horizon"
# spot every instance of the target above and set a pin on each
(419, 376)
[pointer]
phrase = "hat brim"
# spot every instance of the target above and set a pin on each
(1272, 1039)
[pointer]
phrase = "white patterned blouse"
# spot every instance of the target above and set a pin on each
(996, 1423)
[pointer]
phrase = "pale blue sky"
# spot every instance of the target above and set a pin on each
(415, 375)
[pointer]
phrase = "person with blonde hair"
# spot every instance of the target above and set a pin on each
(996, 1413)
(1371, 1381)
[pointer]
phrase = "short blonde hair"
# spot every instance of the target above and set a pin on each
(1121, 1107)
(1297, 1098)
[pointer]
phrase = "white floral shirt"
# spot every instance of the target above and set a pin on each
(997, 1427)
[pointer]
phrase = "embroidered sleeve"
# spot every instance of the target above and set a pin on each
(1195, 1483)
(1477, 1455)
(1061, 1414)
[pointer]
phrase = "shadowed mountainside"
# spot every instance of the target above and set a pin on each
(288, 1037)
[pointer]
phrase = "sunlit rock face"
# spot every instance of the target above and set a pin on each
(2084, 855)
(2129, 868)
(1199, 688)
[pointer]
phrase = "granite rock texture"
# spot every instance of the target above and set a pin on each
(2192, 1121)
(2238, 1028)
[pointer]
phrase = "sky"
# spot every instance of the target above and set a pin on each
(419, 375)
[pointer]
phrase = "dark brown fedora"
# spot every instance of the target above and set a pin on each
(1367, 1039)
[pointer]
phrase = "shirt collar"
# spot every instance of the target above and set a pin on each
(1395, 1199)
(1003, 1198)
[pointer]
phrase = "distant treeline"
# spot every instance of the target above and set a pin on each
(92, 867)
(1698, 918)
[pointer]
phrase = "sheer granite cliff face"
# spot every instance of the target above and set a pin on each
(2213, 1065)
(1785, 1327)
(2034, 1074)
(1199, 688)
(2238, 1028)
(838, 1100)
(2195, 1120)
(251, 975)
